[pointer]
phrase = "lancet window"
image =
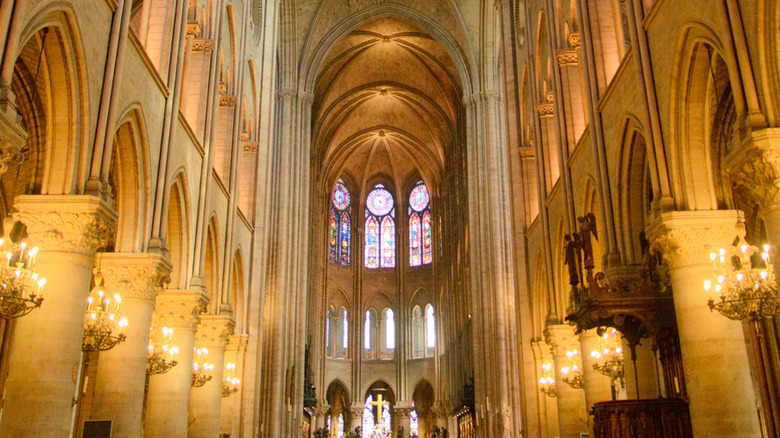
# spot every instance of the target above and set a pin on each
(340, 224)
(380, 229)
(420, 228)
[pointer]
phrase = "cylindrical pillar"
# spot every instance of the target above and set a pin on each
(121, 373)
(47, 343)
(206, 401)
(572, 418)
(402, 420)
(717, 372)
(168, 396)
(598, 387)
(355, 417)
(321, 412)
(231, 406)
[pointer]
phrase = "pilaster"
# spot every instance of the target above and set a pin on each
(717, 372)
(41, 384)
(119, 396)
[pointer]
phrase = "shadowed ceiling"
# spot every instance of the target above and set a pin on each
(386, 102)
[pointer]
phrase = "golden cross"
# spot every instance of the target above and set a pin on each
(379, 403)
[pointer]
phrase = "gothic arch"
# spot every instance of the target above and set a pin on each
(211, 258)
(541, 298)
(632, 195)
(177, 236)
(238, 292)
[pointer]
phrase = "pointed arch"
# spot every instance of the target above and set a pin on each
(211, 271)
(237, 298)
(177, 236)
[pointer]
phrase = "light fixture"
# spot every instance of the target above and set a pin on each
(201, 369)
(745, 290)
(572, 373)
(608, 358)
(20, 292)
(102, 319)
(547, 382)
(162, 358)
(231, 382)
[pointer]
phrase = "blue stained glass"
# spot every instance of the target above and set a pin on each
(414, 240)
(344, 238)
(333, 232)
(388, 243)
(341, 426)
(427, 238)
(368, 417)
(341, 198)
(372, 243)
(419, 197)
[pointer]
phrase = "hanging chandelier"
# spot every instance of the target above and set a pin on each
(162, 358)
(201, 369)
(20, 292)
(547, 382)
(572, 372)
(608, 358)
(231, 382)
(102, 321)
(744, 284)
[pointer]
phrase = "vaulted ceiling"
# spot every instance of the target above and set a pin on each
(386, 104)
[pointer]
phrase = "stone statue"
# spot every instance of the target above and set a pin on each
(587, 231)
(400, 433)
(571, 260)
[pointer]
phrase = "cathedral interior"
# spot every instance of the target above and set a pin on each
(389, 218)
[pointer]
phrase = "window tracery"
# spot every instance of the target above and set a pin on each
(420, 229)
(380, 229)
(340, 225)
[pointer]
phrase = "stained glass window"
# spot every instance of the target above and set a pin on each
(367, 331)
(386, 417)
(344, 333)
(338, 236)
(341, 426)
(420, 230)
(389, 329)
(430, 327)
(380, 229)
(414, 424)
(368, 417)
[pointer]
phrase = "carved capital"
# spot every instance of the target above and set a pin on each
(567, 57)
(179, 308)
(249, 146)
(574, 39)
(322, 409)
(238, 342)
(13, 136)
(201, 45)
(755, 167)
(193, 28)
(561, 338)
(527, 152)
(545, 109)
(228, 101)
(356, 413)
(68, 223)
(214, 330)
(134, 275)
(686, 238)
(402, 413)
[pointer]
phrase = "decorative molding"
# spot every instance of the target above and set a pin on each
(567, 57)
(214, 330)
(574, 39)
(755, 167)
(13, 136)
(686, 238)
(545, 109)
(193, 28)
(67, 223)
(134, 275)
(483, 96)
(560, 338)
(179, 308)
(527, 152)
(228, 101)
(201, 45)
(402, 413)
(322, 409)
(249, 146)
(238, 342)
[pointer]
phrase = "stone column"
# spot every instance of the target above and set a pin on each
(548, 406)
(401, 413)
(121, 372)
(47, 343)
(717, 372)
(572, 416)
(355, 417)
(168, 396)
(321, 412)
(642, 382)
(231, 406)
(206, 401)
(441, 413)
(598, 387)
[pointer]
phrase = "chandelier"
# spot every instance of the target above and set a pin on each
(608, 358)
(547, 382)
(102, 320)
(201, 369)
(745, 290)
(21, 286)
(231, 382)
(160, 359)
(572, 373)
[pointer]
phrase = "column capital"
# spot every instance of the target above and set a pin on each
(686, 238)
(214, 330)
(356, 412)
(179, 308)
(238, 342)
(567, 57)
(13, 136)
(541, 350)
(66, 223)
(560, 338)
(322, 409)
(134, 275)
(755, 166)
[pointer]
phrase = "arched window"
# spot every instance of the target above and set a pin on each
(343, 333)
(338, 235)
(418, 333)
(414, 424)
(420, 230)
(430, 330)
(330, 332)
(380, 229)
(341, 426)
(370, 335)
(377, 416)
(388, 334)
